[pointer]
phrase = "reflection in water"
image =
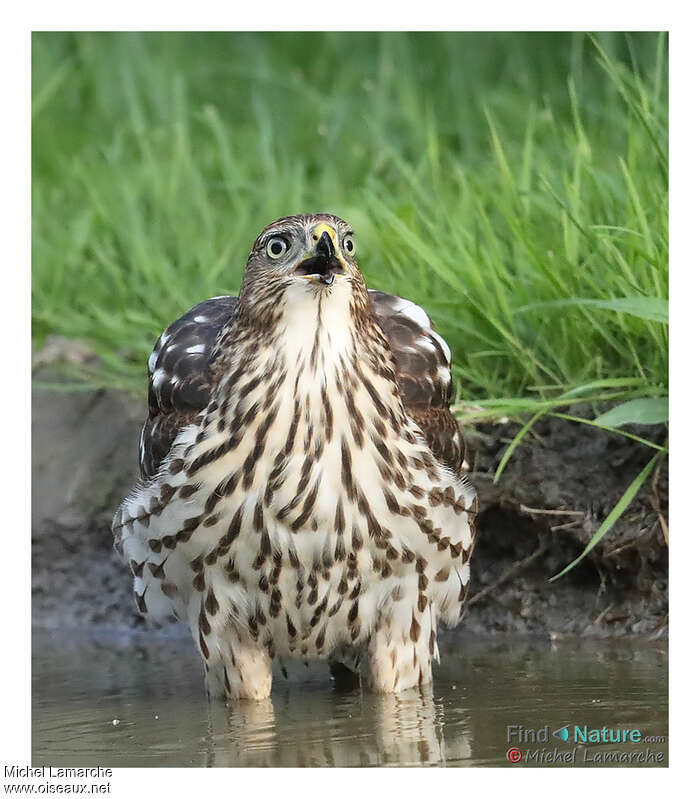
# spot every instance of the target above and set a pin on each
(240, 734)
(407, 728)
(154, 687)
(404, 729)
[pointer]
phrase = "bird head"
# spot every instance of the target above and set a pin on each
(309, 252)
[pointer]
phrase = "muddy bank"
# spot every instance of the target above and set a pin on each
(556, 490)
(84, 448)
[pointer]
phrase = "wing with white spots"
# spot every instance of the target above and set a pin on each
(179, 378)
(423, 364)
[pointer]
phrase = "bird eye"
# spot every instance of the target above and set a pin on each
(277, 247)
(349, 244)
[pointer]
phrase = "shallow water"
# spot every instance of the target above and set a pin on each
(153, 684)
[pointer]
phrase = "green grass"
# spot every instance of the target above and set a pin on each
(515, 185)
(507, 182)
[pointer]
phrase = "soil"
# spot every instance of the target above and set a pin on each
(84, 461)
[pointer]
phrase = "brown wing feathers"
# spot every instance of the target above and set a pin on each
(423, 370)
(179, 378)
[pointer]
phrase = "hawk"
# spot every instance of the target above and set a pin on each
(302, 490)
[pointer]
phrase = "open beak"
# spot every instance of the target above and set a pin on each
(321, 262)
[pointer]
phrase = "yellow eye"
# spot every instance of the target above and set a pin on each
(349, 245)
(276, 247)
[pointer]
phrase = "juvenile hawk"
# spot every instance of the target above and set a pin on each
(301, 490)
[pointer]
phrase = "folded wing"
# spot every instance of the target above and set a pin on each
(180, 381)
(423, 364)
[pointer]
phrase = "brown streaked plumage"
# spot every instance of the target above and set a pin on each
(301, 486)
(422, 371)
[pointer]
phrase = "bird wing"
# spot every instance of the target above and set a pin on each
(180, 380)
(423, 365)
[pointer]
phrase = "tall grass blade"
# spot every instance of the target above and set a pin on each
(614, 514)
(653, 309)
(645, 410)
(513, 444)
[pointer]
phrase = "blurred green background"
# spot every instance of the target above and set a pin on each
(515, 185)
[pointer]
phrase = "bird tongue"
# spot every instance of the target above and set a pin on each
(320, 265)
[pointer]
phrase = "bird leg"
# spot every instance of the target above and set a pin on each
(245, 674)
(400, 659)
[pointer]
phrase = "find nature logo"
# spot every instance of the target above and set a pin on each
(528, 739)
(584, 734)
(562, 733)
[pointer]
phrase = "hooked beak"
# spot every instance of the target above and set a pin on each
(321, 262)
